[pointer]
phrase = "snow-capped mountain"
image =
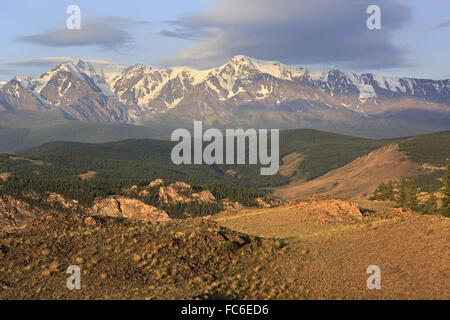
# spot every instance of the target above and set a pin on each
(85, 91)
(75, 89)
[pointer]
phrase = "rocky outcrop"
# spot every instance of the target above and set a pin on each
(56, 199)
(261, 203)
(122, 207)
(15, 213)
(181, 192)
(231, 205)
(268, 202)
(204, 196)
(323, 211)
(156, 183)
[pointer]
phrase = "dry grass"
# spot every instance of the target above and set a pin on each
(277, 253)
(36, 162)
(356, 179)
(289, 164)
(87, 175)
(413, 255)
(329, 261)
(124, 259)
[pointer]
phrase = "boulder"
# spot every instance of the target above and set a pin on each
(155, 183)
(329, 210)
(261, 203)
(57, 199)
(204, 196)
(181, 192)
(122, 207)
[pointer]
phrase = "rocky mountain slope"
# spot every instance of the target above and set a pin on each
(133, 203)
(139, 93)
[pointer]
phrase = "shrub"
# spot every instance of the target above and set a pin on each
(230, 245)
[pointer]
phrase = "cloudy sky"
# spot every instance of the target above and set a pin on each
(319, 34)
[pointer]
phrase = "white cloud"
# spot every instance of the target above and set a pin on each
(107, 33)
(292, 31)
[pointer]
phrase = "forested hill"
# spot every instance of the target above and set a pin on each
(145, 158)
(87, 170)
(430, 148)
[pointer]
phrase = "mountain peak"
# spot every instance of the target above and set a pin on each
(84, 66)
(139, 66)
(273, 68)
(242, 59)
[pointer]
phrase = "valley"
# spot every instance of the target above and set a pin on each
(211, 158)
(140, 227)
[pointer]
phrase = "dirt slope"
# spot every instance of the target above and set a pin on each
(290, 163)
(357, 179)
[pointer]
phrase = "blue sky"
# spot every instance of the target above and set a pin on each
(414, 40)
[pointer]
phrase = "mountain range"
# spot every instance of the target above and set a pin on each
(243, 92)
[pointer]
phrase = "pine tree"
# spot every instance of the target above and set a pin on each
(402, 193)
(379, 192)
(407, 194)
(390, 195)
(430, 206)
(446, 200)
(384, 192)
(411, 195)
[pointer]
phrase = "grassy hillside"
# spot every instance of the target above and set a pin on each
(324, 151)
(426, 158)
(275, 253)
(134, 260)
(356, 179)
